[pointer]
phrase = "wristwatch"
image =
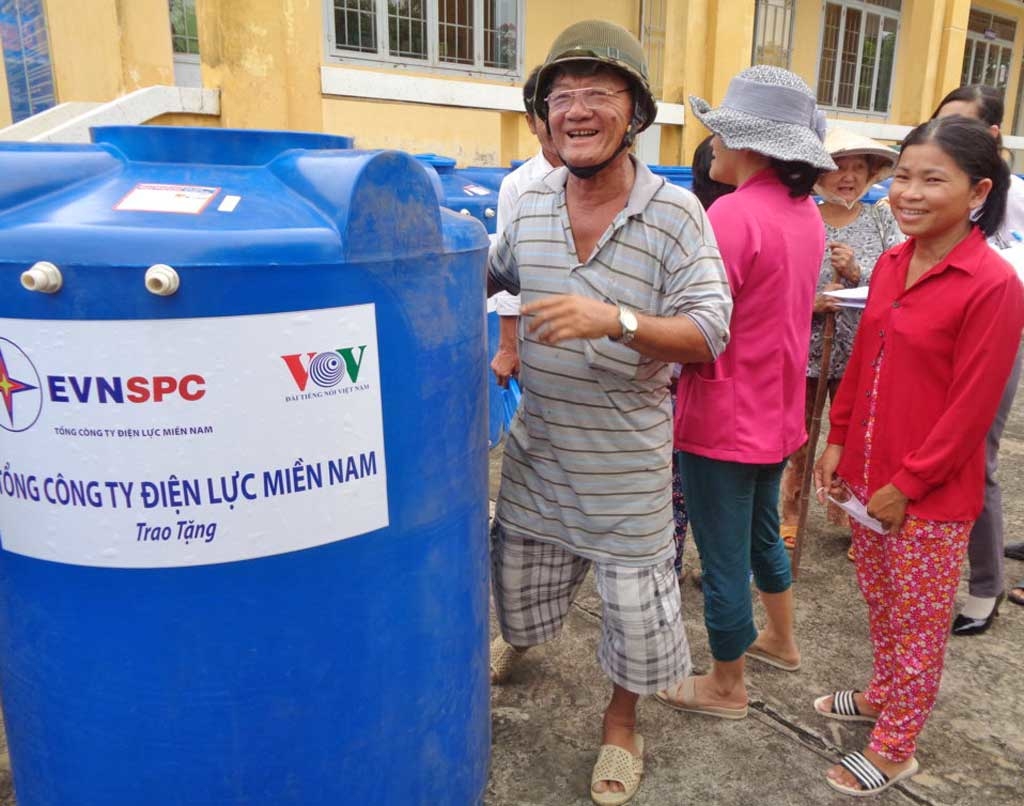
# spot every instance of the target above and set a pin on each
(628, 323)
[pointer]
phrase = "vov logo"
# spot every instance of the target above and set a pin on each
(326, 369)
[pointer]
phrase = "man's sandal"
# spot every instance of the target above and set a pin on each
(504, 658)
(844, 708)
(871, 779)
(788, 535)
(619, 765)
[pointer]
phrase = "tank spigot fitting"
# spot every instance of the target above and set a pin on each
(43, 277)
(162, 280)
(465, 211)
(489, 212)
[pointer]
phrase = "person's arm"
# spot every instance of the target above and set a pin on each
(502, 271)
(505, 363)
(982, 359)
(674, 339)
(691, 324)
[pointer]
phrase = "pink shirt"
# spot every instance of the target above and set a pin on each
(748, 406)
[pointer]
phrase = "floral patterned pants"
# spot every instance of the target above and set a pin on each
(909, 580)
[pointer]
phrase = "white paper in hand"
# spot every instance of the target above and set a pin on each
(849, 297)
(859, 512)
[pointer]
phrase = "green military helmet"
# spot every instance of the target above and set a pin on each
(607, 43)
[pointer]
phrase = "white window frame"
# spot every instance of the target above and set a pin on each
(974, 39)
(863, 8)
(432, 64)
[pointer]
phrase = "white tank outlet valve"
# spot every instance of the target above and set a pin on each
(43, 277)
(489, 212)
(162, 280)
(464, 211)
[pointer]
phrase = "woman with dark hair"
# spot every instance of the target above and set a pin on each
(929, 365)
(985, 549)
(706, 189)
(856, 235)
(740, 416)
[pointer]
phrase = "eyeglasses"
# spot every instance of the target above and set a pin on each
(592, 98)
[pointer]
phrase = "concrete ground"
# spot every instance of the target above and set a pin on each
(547, 719)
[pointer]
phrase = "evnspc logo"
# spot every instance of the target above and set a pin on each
(21, 395)
(326, 370)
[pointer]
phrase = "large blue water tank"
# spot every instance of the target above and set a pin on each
(462, 191)
(243, 524)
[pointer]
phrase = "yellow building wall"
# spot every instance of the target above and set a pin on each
(185, 119)
(478, 137)
(929, 55)
(147, 57)
(264, 56)
(101, 49)
(958, 37)
(85, 48)
(714, 38)
(471, 136)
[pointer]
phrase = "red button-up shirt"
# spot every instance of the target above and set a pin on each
(950, 341)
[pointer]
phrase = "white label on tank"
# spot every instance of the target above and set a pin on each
(191, 199)
(228, 204)
(152, 444)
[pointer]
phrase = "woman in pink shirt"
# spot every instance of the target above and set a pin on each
(929, 364)
(737, 419)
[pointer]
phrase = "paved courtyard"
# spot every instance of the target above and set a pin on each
(547, 719)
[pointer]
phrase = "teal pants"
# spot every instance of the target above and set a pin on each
(734, 515)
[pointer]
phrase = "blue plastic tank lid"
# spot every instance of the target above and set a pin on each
(436, 160)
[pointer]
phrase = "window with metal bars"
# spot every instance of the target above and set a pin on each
(858, 48)
(184, 29)
(465, 35)
(988, 50)
(773, 32)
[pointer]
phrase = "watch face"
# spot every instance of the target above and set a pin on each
(629, 320)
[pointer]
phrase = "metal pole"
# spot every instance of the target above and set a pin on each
(812, 435)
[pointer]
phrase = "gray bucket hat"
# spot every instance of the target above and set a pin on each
(771, 111)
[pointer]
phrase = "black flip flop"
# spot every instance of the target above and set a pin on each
(1014, 551)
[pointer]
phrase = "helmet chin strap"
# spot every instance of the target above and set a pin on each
(588, 171)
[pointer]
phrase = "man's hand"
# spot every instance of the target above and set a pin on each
(505, 365)
(559, 318)
(889, 507)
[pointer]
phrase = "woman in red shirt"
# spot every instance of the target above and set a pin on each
(930, 360)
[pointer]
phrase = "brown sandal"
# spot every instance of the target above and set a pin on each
(788, 535)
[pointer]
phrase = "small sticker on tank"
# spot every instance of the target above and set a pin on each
(151, 198)
(229, 204)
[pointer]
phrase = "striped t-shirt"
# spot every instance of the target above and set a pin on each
(588, 459)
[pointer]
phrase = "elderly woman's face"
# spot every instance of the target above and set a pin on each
(848, 182)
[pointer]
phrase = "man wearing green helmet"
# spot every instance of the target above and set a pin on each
(620, 277)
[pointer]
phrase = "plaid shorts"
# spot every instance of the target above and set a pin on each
(643, 645)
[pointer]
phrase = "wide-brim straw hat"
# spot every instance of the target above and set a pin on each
(771, 111)
(840, 142)
(843, 142)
